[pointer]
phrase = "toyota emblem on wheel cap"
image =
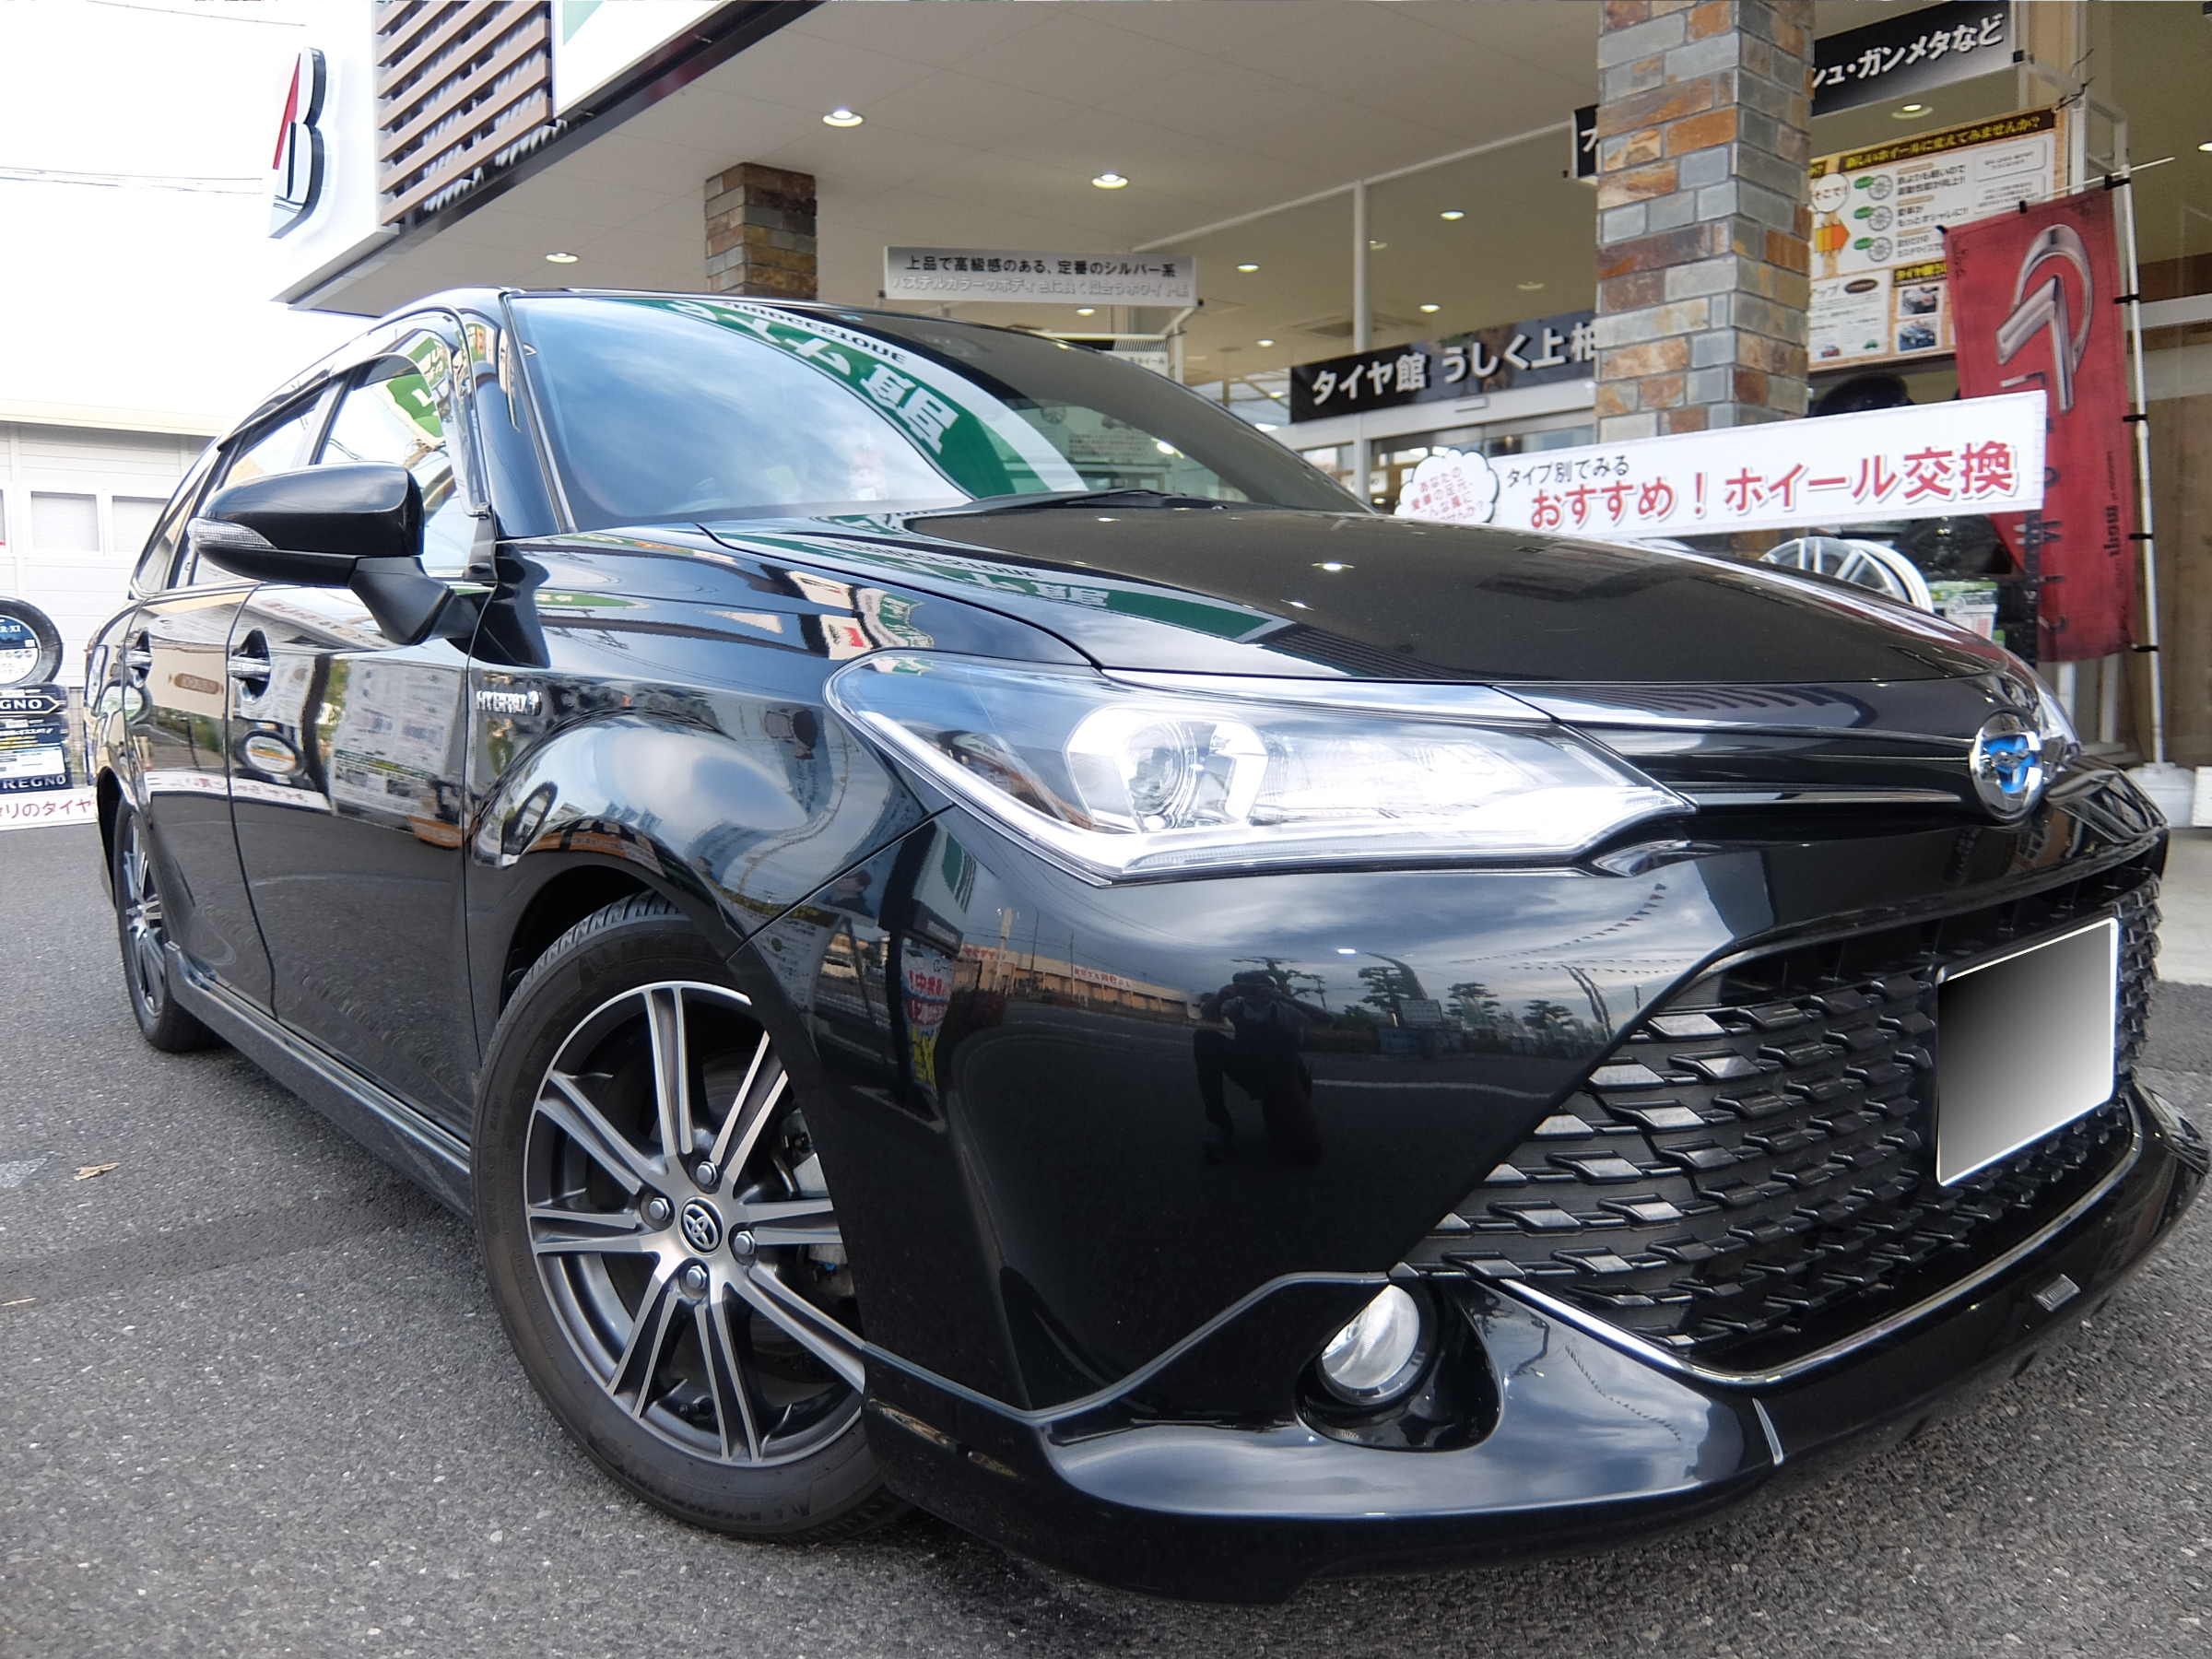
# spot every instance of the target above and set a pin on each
(702, 1227)
(2007, 764)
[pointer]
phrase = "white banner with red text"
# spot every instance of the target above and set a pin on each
(1972, 455)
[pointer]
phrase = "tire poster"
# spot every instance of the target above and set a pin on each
(1881, 279)
(35, 784)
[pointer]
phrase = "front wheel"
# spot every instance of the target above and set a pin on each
(658, 1234)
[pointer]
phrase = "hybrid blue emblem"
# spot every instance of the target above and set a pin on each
(2007, 764)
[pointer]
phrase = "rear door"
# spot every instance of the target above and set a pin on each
(176, 655)
(346, 754)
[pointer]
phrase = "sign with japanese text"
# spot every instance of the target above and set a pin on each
(34, 739)
(2034, 295)
(1982, 454)
(1029, 279)
(1879, 217)
(1901, 55)
(1489, 360)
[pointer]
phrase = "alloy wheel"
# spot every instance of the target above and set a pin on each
(143, 930)
(683, 1231)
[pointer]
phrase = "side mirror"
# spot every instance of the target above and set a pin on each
(357, 527)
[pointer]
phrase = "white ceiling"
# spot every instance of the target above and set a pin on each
(986, 122)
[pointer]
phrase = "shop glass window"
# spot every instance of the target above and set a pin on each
(400, 411)
(64, 523)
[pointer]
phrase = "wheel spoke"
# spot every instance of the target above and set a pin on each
(733, 1399)
(671, 1069)
(648, 1336)
(556, 1231)
(741, 1130)
(793, 1221)
(804, 1323)
(564, 1103)
(739, 1116)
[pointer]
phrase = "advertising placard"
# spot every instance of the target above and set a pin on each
(2034, 296)
(1982, 454)
(1532, 353)
(1880, 289)
(1022, 277)
(594, 42)
(1910, 51)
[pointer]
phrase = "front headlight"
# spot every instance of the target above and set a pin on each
(1119, 781)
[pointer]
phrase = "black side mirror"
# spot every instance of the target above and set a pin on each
(357, 527)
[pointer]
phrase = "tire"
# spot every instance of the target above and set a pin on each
(696, 1335)
(30, 649)
(142, 936)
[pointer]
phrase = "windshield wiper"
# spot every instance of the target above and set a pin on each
(1082, 498)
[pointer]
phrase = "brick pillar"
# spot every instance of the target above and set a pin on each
(1703, 136)
(761, 232)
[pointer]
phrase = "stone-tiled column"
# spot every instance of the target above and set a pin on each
(1702, 134)
(761, 232)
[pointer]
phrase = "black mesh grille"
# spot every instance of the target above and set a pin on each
(1750, 1176)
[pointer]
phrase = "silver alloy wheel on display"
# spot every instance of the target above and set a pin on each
(143, 931)
(683, 1232)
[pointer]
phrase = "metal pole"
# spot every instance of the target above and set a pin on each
(2130, 280)
(1362, 452)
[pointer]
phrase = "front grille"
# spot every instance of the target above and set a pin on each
(1750, 1176)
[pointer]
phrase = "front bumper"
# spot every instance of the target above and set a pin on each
(1592, 1442)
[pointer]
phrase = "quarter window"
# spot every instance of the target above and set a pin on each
(401, 411)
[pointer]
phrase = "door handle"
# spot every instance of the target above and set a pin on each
(138, 662)
(250, 667)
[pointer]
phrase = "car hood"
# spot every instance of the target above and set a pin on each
(1264, 590)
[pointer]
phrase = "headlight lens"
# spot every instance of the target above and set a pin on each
(1379, 1356)
(1122, 781)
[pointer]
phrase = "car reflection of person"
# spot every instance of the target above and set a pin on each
(1259, 1054)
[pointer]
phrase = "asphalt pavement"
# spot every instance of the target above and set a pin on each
(253, 1400)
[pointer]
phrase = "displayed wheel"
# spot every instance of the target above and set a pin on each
(658, 1233)
(142, 931)
(1866, 564)
(30, 650)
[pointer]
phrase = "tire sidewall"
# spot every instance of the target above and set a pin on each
(594, 963)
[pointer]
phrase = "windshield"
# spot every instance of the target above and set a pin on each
(668, 409)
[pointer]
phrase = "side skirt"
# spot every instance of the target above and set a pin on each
(427, 1153)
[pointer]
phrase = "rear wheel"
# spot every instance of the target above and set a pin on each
(142, 932)
(659, 1236)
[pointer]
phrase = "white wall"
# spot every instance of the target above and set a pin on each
(79, 585)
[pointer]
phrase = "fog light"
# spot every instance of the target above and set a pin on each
(1379, 1356)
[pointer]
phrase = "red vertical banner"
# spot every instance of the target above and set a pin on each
(2033, 298)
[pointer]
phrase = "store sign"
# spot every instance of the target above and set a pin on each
(34, 739)
(1489, 360)
(1585, 142)
(296, 171)
(1982, 454)
(595, 43)
(1879, 217)
(1901, 55)
(2034, 297)
(1023, 278)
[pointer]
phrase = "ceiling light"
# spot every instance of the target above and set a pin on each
(1912, 111)
(1375, 247)
(560, 259)
(1255, 267)
(1451, 213)
(1432, 308)
(1345, 950)
(1528, 287)
(1086, 310)
(841, 116)
(1110, 180)
(1267, 342)
(1332, 565)
(2206, 146)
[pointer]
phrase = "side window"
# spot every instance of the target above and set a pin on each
(400, 409)
(283, 443)
(153, 570)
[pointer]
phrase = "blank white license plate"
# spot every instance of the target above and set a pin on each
(2026, 1046)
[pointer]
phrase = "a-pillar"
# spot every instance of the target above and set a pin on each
(1703, 139)
(761, 232)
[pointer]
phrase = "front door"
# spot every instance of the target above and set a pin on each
(346, 753)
